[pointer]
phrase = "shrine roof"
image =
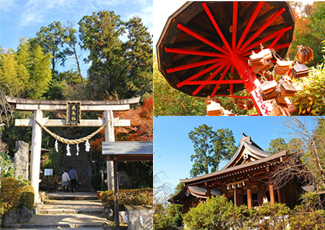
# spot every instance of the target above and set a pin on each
(226, 171)
(14, 100)
(250, 145)
(194, 191)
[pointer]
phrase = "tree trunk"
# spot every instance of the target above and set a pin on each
(78, 65)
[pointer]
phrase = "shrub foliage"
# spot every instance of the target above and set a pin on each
(128, 197)
(10, 194)
(219, 213)
(27, 197)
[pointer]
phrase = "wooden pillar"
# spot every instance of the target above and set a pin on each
(109, 137)
(249, 195)
(239, 200)
(279, 196)
(260, 195)
(271, 190)
(36, 153)
(283, 195)
(116, 208)
(235, 194)
(224, 190)
(208, 191)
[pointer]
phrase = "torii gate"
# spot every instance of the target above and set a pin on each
(38, 106)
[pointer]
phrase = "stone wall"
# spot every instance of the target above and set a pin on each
(21, 160)
(140, 219)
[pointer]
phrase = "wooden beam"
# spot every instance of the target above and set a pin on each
(127, 148)
(44, 107)
(130, 158)
(14, 100)
(62, 123)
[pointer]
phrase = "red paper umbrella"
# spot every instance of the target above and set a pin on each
(204, 47)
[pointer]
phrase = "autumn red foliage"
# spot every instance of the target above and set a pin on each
(141, 128)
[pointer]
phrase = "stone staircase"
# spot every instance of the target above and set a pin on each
(80, 163)
(69, 210)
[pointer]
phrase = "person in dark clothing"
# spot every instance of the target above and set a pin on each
(73, 179)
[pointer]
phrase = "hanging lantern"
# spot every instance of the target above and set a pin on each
(243, 183)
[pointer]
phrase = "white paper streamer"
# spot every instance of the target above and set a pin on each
(56, 146)
(87, 146)
(68, 150)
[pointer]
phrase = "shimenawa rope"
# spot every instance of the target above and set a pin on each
(72, 142)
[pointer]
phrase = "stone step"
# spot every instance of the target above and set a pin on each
(71, 206)
(70, 211)
(71, 196)
(74, 202)
(64, 221)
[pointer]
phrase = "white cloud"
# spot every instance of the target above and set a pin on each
(6, 5)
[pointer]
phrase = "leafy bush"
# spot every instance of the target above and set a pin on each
(311, 100)
(209, 215)
(219, 213)
(308, 215)
(128, 197)
(27, 197)
(136, 196)
(6, 167)
(23, 182)
(10, 193)
(168, 217)
(108, 198)
(270, 216)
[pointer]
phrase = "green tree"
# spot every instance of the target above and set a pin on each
(40, 73)
(139, 56)
(99, 33)
(309, 29)
(210, 148)
(224, 147)
(10, 81)
(52, 39)
(277, 145)
(171, 102)
(307, 155)
(25, 73)
(71, 40)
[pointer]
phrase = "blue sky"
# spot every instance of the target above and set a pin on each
(24, 18)
(173, 148)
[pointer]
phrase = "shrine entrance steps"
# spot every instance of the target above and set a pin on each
(80, 163)
(69, 210)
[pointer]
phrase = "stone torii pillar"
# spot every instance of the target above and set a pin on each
(38, 106)
(109, 137)
(36, 153)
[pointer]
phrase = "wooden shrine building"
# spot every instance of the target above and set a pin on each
(246, 179)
